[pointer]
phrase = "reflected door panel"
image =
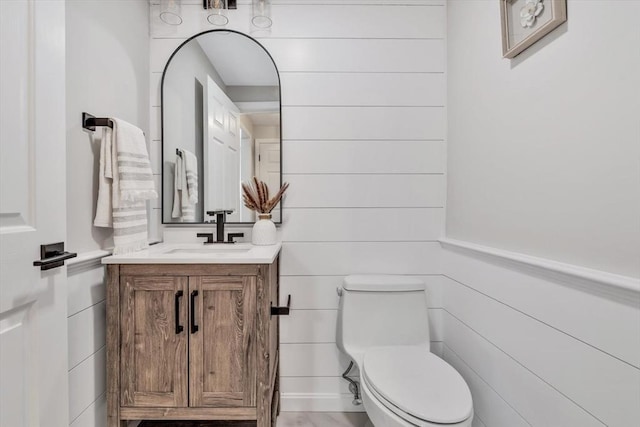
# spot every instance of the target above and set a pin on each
(269, 167)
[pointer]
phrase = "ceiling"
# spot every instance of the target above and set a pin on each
(239, 60)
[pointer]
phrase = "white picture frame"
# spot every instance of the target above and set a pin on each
(524, 22)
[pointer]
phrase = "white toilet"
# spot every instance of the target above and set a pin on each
(383, 327)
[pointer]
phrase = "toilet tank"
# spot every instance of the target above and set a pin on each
(381, 311)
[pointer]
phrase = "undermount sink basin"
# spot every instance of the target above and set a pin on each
(226, 249)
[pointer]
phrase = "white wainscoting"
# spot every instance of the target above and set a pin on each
(363, 113)
(87, 333)
(541, 343)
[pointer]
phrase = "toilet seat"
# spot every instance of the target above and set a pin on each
(417, 385)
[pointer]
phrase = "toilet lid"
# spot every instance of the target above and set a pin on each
(419, 383)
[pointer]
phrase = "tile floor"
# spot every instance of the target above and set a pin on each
(322, 419)
(285, 419)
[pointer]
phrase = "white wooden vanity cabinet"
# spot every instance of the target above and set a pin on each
(192, 342)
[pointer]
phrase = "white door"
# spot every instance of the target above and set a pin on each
(269, 168)
(221, 152)
(33, 303)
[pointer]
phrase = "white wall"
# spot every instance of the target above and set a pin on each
(543, 149)
(107, 76)
(107, 69)
(266, 132)
(363, 94)
(543, 160)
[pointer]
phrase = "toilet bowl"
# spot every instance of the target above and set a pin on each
(383, 327)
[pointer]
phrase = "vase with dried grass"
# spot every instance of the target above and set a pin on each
(256, 197)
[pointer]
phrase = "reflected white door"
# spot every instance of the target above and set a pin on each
(221, 152)
(246, 170)
(269, 167)
(33, 303)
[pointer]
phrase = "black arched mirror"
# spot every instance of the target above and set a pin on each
(221, 126)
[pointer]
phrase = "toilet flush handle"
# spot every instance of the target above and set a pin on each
(339, 291)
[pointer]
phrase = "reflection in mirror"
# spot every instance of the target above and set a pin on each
(220, 127)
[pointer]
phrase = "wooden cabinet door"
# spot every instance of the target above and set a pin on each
(222, 347)
(154, 348)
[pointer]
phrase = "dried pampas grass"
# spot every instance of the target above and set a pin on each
(256, 196)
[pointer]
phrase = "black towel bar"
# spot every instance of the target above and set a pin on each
(90, 122)
(178, 152)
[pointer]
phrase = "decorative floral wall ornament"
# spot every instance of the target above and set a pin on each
(530, 12)
(524, 22)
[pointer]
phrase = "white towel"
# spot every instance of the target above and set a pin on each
(134, 167)
(104, 207)
(125, 183)
(191, 170)
(185, 186)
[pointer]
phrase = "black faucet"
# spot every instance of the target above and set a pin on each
(221, 217)
(209, 237)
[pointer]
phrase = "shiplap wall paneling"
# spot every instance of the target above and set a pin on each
(525, 392)
(350, 89)
(87, 332)
(489, 408)
(363, 113)
(372, 89)
(366, 191)
(336, 55)
(95, 415)
(344, 258)
(88, 382)
(361, 224)
(363, 157)
(588, 314)
(368, 123)
(556, 350)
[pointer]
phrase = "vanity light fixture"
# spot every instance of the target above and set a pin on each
(218, 10)
(171, 12)
(261, 14)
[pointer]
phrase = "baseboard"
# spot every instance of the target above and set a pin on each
(318, 402)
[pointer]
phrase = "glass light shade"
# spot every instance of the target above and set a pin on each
(261, 13)
(217, 12)
(171, 12)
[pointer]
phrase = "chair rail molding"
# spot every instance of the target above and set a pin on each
(610, 284)
(86, 260)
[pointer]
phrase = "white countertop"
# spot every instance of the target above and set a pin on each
(198, 253)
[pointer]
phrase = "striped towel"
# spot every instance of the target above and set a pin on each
(185, 186)
(124, 188)
(134, 167)
(191, 169)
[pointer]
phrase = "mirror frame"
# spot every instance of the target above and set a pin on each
(164, 73)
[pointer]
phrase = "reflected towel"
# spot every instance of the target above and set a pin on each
(191, 171)
(185, 186)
